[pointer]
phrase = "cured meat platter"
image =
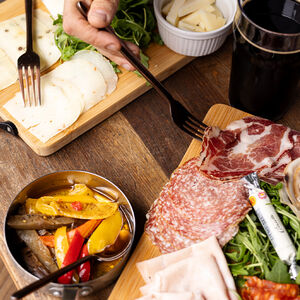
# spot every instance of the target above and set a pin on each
(128, 284)
(163, 62)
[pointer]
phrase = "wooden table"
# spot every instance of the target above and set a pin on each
(137, 148)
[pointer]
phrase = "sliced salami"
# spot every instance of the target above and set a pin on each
(193, 207)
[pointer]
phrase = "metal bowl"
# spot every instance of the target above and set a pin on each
(58, 180)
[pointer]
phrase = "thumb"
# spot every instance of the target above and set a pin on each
(102, 12)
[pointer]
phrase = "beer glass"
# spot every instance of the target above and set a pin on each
(265, 70)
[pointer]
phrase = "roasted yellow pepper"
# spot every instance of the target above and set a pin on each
(81, 207)
(61, 244)
(105, 234)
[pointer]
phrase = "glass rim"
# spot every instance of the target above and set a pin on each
(264, 29)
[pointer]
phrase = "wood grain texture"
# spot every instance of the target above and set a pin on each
(163, 63)
(128, 284)
(137, 148)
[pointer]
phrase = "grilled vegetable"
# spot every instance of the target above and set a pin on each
(33, 264)
(38, 222)
(71, 256)
(61, 244)
(85, 230)
(84, 270)
(31, 239)
(105, 234)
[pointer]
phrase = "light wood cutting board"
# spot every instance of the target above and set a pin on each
(128, 284)
(163, 62)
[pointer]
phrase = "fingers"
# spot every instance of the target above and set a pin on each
(102, 12)
(76, 25)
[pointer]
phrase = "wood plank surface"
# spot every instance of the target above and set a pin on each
(128, 284)
(163, 62)
(137, 148)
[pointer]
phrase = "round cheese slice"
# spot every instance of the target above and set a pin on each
(102, 64)
(57, 112)
(86, 77)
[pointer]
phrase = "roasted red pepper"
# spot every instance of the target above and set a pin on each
(71, 256)
(84, 270)
(77, 205)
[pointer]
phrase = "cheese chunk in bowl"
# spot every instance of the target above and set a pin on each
(194, 27)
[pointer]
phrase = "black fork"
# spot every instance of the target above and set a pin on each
(180, 115)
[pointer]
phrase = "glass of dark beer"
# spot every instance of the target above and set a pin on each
(265, 69)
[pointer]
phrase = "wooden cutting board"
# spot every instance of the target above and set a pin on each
(128, 284)
(163, 62)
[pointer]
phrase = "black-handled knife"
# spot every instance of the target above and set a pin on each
(10, 127)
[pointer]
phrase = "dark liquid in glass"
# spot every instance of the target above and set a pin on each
(264, 83)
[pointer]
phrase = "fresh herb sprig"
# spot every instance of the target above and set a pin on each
(134, 21)
(250, 251)
(68, 45)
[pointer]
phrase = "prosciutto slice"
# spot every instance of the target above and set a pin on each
(248, 145)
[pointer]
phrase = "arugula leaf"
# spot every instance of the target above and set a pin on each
(134, 21)
(250, 251)
(279, 273)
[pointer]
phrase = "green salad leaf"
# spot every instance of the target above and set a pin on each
(134, 21)
(250, 252)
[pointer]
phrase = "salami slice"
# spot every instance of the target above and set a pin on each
(193, 207)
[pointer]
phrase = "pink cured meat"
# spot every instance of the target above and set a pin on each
(248, 145)
(193, 207)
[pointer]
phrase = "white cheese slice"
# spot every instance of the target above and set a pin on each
(13, 42)
(12, 39)
(102, 64)
(43, 38)
(55, 7)
(166, 8)
(192, 5)
(86, 77)
(172, 16)
(7, 70)
(58, 111)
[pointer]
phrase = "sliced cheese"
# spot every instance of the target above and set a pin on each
(192, 5)
(43, 38)
(209, 20)
(86, 77)
(12, 39)
(172, 16)
(57, 112)
(13, 42)
(7, 70)
(166, 8)
(55, 7)
(102, 64)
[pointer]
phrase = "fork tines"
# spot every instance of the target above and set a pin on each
(29, 79)
(194, 127)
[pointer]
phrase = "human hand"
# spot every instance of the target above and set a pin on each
(100, 15)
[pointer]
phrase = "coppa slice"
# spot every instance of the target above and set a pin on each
(193, 207)
(86, 77)
(102, 64)
(248, 145)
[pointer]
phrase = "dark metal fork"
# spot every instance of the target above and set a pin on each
(180, 115)
(29, 65)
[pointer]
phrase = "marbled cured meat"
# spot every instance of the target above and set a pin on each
(193, 207)
(248, 145)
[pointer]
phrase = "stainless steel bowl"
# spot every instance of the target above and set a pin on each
(58, 180)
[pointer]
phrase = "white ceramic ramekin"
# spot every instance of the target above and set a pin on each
(195, 43)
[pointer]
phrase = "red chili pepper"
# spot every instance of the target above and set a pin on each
(84, 270)
(77, 205)
(71, 256)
